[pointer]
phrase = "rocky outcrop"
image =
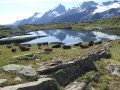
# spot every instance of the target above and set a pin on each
(73, 70)
(25, 70)
(114, 69)
(66, 72)
(41, 84)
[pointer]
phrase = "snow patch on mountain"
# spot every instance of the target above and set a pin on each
(83, 12)
(39, 15)
(54, 14)
(102, 8)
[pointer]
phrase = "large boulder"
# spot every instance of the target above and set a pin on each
(25, 70)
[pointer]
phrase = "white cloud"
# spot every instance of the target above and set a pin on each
(31, 1)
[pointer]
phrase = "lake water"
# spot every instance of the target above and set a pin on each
(67, 36)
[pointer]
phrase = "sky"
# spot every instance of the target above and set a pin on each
(13, 10)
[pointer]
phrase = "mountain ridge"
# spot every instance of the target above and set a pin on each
(83, 12)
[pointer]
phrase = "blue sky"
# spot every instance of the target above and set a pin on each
(12, 10)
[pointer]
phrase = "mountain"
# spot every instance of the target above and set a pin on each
(89, 11)
(44, 17)
(83, 12)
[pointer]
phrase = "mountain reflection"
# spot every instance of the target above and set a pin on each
(70, 36)
(82, 36)
(59, 34)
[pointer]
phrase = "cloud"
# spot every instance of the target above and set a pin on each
(31, 1)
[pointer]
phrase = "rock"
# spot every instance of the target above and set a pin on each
(95, 76)
(114, 69)
(14, 57)
(41, 84)
(92, 88)
(77, 86)
(29, 54)
(17, 79)
(3, 80)
(25, 70)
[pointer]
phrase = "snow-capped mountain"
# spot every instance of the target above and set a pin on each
(44, 17)
(83, 12)
(89, 11)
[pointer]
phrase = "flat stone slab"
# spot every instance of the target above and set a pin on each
(41, 84)
(25, 70)
(76, 86)
(3, 80)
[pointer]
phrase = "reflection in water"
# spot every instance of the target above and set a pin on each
(68, 36)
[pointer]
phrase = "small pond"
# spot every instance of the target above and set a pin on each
(67, 36)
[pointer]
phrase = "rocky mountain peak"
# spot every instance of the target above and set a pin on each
(83, 12)
(60, 8)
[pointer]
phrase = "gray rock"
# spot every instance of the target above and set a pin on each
(17, 79)
(77, 86)
(3, 80)
(14, 57)
(29, 54)
(25, 70)
(114, 69)
(41, 84)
